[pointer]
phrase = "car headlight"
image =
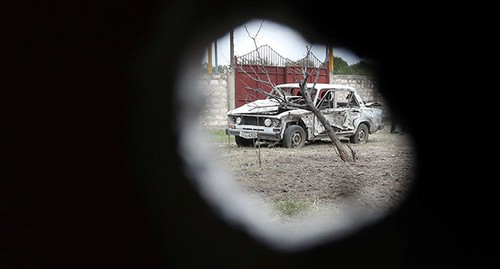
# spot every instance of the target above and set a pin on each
(238, 120)
(276, 122)
(268, 122)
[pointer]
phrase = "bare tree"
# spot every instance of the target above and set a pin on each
(342, 151)
(303, 75)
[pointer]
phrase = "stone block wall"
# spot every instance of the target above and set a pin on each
(213, 114)
(365, 85)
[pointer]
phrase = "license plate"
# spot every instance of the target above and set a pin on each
(248, 135)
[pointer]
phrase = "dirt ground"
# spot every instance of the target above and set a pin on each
(314, 177)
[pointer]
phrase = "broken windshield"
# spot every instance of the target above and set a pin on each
(289, 93)
(280, 93)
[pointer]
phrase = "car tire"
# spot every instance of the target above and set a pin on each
(294, 137)
(243, 142)
(361, 135)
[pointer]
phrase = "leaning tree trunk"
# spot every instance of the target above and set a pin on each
(344, 154)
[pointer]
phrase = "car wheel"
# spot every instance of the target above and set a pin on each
(295, 137)
(361, 135)
(243, 142)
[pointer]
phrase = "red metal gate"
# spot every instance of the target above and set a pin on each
(252, 72)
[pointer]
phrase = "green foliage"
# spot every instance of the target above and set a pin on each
(341, 67)
(363, 68)
(292, 208)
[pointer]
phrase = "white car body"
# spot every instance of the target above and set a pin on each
(269, 119)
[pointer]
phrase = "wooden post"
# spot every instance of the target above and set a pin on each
(330, 58)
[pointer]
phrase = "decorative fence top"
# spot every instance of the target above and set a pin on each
(265, 55)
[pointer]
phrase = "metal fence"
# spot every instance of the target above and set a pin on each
(267, 56)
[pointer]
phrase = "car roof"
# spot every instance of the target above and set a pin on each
(318, 86)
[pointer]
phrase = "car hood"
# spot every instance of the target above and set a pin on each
(263, 106)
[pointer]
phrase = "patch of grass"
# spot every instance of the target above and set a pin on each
(292, 208)
(219, 136)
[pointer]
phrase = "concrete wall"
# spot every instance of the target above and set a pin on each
(215, 87)
(219, 91)
(365, 85)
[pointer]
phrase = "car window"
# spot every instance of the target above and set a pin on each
(345, 98)
(299, 93)
(327, 99)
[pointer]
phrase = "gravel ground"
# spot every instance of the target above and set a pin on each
(313, 178)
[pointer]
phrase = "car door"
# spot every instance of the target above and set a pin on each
(326, 105)
(340, 109)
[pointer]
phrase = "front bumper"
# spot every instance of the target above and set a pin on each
(255, 132)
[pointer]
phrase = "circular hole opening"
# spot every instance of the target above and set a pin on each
(290, 197)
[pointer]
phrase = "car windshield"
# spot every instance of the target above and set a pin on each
(280, 93)
(288, 92)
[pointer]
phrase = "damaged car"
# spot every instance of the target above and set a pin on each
(284, 118)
